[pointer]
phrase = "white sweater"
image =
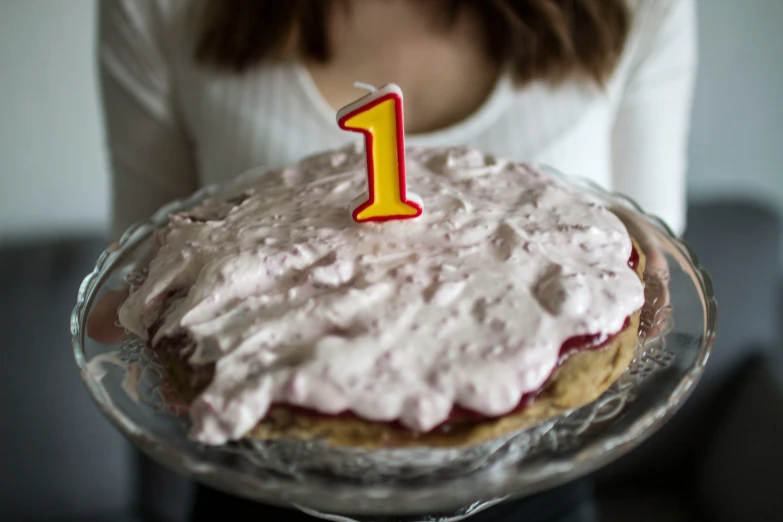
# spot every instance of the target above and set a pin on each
(173, 126)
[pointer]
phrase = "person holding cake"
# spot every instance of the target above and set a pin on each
(198, 92)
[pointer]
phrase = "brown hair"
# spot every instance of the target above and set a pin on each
(540, 39)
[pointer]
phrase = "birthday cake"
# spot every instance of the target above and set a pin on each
(511, 299)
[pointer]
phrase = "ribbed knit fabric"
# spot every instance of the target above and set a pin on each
(173, 126)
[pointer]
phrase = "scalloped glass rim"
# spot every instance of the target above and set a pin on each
(376, 499)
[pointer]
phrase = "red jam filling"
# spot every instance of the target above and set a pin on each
(633, 261)
(570, 347)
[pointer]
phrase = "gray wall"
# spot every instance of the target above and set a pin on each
(52, 161)
(737, 139)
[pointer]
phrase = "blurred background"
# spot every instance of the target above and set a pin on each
(54, 165)
(59, 460)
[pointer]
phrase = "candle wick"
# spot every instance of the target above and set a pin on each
(362, 85)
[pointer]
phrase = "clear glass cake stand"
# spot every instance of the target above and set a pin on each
(127, 384)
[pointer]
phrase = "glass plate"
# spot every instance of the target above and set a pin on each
(126, 382)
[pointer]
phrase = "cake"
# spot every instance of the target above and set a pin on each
(513, 298)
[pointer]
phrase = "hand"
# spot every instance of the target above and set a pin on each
(102, 320)
(656, 291)
(657, 295)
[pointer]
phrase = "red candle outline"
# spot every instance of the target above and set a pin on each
(368, 144)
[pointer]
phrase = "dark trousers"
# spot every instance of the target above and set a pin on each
(573, 502)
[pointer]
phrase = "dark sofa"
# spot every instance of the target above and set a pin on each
(719, 459)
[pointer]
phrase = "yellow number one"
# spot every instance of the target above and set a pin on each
(378, 117)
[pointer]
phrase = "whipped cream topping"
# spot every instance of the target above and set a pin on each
(467, 305)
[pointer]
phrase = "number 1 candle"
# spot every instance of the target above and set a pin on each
(378, 117)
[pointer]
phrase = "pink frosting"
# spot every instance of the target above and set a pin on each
(466, 305)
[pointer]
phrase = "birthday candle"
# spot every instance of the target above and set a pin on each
(378, 117)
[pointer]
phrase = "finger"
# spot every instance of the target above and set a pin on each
(658, 266)
(102, 320)
(656, 293)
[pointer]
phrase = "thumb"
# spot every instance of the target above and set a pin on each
(102, 320)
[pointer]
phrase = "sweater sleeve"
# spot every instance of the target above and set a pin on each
(650, 136)
(151, 157)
